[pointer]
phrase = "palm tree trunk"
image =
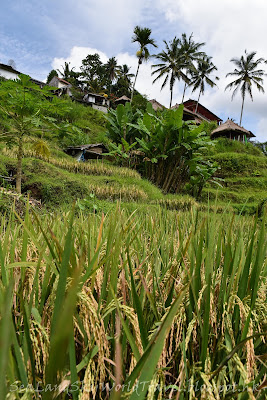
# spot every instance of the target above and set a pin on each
(138, 66)
(19, 166)
(184, 92)
(243, 99)
(198, 101)
(171, 96)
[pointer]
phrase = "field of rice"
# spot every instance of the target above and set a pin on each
(155, 305)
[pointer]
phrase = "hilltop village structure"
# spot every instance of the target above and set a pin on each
(192, 109)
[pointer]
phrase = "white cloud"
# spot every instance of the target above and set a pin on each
(77, 54)
(262, 130)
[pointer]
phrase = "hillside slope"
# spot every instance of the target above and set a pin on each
(243, 170)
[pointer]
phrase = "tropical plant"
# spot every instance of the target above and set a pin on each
(112, 69)
(248, 74)
(171, 66)
(167, 149)
(200, 76)
(66, 71)
(125, 74)
(191, 53)
(22, 104)
(119, 120)
(96, 86)
(143, 37)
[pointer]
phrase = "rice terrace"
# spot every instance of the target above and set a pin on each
(133, 205)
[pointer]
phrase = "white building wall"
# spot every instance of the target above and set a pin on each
(100, 108)
(8, 75)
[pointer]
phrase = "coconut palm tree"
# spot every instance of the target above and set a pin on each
(125, 73)
(66, 71)
(112, 69)
(143, 38)
(171, 66)
(200, 76)
(247, 74)
(191, 53)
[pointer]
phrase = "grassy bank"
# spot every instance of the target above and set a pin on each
(243, 174)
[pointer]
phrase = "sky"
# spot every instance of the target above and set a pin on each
(40, 36)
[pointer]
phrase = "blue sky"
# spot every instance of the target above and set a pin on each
(41, 35)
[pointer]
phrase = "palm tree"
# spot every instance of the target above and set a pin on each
(96, 86)
(125, 73)
(142, 36)
(200, 76)
(247, 74)
(171, 66)
(191, 53)
(112, 69)
(66, 71)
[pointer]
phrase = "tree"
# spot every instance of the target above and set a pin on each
(112, 70)
(93, 69)
(51, 75)
(22, 104)
(143, 38)
(247, 74)
(125, 74)
(96, 86)
(200, 76)
(190, 52)
(171, 66)
(66, 71)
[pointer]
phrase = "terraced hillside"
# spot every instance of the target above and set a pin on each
(243, 170)
(58, 181)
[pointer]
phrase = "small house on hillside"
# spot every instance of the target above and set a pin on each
(156, 105)
(62, 85)
(8, 72)
(202, 111)
(202, 114)
(231, 130)
(97, 101)
(122, 100)
(87, 151)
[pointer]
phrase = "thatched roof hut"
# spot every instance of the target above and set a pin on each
(122, 100)
(231, 130)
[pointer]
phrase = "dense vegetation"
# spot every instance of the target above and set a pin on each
(110, 287)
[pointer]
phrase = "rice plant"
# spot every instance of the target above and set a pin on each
(156, 305)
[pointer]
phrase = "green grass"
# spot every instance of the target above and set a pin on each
(243, 170)
(59, 182)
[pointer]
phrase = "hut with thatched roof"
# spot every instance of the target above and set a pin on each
(122, 100)
(231, 130)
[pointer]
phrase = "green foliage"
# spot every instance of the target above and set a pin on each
(225, 145)
(119, 121)
(22, 104)
(139, 102)
(239, 163)
(51, 75)
(167, 149)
